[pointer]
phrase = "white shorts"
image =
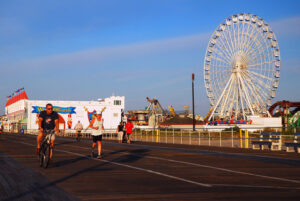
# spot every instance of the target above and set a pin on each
(120, 135)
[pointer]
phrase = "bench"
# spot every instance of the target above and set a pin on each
(270, 139)
(295, 145)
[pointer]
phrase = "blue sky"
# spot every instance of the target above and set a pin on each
(85, 50)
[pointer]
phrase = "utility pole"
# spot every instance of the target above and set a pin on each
(193, 77)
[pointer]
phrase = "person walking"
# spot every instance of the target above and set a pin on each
(120, 129)
(97, 130)
(78, 127)
(129, 127)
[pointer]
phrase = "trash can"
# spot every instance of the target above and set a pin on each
(22, 131)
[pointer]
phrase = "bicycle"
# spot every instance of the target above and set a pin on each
(44, 153)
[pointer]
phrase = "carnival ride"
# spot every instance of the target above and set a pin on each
(156, 113)
(290, 117)
(172, 111)
(208, 114)
(241, 68)
(155, 107)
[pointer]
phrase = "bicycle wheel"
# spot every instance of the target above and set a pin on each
(46, 156)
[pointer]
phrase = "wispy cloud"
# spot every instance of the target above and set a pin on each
(288, 27)
(292, 66)
(96, 56)
(165, 83)
(10, 27)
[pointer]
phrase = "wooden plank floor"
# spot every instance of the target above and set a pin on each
(145, 171)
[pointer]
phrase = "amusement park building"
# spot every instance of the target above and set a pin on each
(20, 110)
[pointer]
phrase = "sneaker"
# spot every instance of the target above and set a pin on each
(37, 151)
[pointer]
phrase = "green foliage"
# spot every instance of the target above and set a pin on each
(235, 129)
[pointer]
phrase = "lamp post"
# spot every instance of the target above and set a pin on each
(193, 77)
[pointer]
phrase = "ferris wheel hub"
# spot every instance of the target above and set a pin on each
(240, 62)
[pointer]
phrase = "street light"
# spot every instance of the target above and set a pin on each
(193, 78)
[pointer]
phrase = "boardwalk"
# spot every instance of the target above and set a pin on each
(145, 171)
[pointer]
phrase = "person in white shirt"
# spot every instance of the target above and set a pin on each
(78, 127)
(97, 130)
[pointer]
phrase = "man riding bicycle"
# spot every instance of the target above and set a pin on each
(48, 120)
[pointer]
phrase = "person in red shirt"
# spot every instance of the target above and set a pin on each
(128, 127)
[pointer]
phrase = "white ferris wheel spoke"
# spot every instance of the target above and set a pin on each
(225, 97)
(243, 37)
(225, 48)
(250, 46)
(221, 95)
(225, 36)
(240, 96)
(250, 36)
(260, 75)
(260, 64)
(220, 60)
(229, 34)
(246, 93)
(222, 54)
(261, 86)
(220, 71)
(254, 93)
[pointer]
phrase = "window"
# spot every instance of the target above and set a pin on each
(117, 102)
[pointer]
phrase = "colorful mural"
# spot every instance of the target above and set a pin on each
(62, 110)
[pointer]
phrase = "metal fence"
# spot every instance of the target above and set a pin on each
(228, 137)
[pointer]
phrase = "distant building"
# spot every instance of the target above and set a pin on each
(23, 113)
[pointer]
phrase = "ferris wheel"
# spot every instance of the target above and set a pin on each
(241, 67)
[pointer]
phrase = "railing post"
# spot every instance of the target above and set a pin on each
(146, 136)
(241, 138)
(173, 135)
(181, 136)
(110, 132)
(220, 138)
(166, 136)
(199, 138)
(157, 133)
(152, 135)
(190, 136)
(231, 137)
(247, 139)
(208, 138)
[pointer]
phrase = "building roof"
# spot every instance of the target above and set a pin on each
(18, 97)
